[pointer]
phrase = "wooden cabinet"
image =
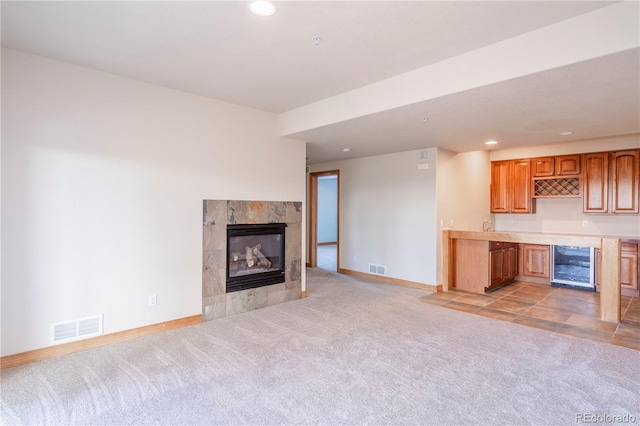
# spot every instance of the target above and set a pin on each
(563, 165)
(611, 182)
(500, 187)
(625, 169)
(629, 272)
(521, 201)
(567, 165)
(481, 266)
(595, 182)
(628, 269)
(511, 186)
(503, 264)
(608, 182)
(496, 265)
(543, 166)
(536, 260)
(511, 263)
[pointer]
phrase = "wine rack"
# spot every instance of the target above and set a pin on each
(558, 187)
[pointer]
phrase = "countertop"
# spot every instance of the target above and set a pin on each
(537, 237)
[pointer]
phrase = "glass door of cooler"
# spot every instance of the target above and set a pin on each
(572, 266)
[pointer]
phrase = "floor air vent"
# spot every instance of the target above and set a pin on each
(83, 328)
(377, 269)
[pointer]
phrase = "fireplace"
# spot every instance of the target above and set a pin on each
(255, 255)
(227, 291)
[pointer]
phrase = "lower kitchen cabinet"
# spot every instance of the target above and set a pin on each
(481, 266)
(628, 269)
(503, 264)
(536, 261)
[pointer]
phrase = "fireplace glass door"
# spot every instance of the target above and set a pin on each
(255, 255)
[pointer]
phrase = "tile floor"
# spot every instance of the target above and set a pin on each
(561, 310)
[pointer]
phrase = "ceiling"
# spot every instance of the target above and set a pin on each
(310, 51)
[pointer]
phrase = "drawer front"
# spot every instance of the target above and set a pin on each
(495, 245)
(498, 245)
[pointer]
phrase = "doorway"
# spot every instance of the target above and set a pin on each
(324, 220)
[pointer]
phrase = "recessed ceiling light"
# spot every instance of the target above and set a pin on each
(262, 7)
(491, 143)
(346, 149)
(566, 133)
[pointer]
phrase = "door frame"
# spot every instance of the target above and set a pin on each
(313, 216)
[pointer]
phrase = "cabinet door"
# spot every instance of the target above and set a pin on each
(500, 187)
(496, 267)
(625, 167)
(595, 181)
(567, 165)
(629, 270)
(543, 166)
(521, 186)
(536, 260)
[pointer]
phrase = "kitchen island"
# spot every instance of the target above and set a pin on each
(474, 241)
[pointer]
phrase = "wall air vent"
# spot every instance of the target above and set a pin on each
(377, 269)
(78, 329)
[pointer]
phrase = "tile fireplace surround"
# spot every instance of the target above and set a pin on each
(217, 214)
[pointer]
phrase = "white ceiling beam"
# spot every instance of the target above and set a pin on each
(595, 34)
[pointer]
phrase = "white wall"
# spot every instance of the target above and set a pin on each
(102, 186)
(564, 215)
(388, 214)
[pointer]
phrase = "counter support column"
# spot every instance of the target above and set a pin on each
(610, 280)
(447, 260)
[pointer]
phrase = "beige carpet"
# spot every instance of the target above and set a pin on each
(353, 352)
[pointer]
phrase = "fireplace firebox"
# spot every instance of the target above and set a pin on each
(255, 255)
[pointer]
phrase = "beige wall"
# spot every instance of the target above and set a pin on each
(103, 180)
(392, 213)
(463, 187)
(388, 214)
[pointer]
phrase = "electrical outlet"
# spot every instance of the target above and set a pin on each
(153, 301)
(585, 223)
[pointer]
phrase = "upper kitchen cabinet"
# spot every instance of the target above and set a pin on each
(568, 165)
(543, 166)
(595, 182)
(564, 165)
(511, 186)
(611, 182)
(556, 176)
(625, 168)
